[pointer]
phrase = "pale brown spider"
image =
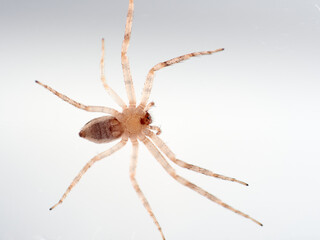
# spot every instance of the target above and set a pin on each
(134, 123)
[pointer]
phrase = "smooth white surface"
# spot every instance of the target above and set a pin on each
(251, 112)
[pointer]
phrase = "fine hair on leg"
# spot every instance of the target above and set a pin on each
(98, 157)
(124, 58)
(158, 156)
(107, 110)
(109, 90)
(133, 165)
(166, 150)
(149, 81)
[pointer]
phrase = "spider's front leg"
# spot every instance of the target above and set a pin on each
(166, 150)
(170, 170)
(150, 77)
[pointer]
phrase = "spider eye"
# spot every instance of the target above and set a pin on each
(146, 120)
(148, 116)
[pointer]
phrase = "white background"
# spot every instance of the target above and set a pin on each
(250, 112)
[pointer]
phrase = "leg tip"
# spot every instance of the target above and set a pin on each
(54, 206)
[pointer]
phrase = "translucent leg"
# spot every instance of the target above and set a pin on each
(88, 165)
(110, 91)
(133, 165)
(107, 110)
(166, 150)
(124, 59)
(149, 81)
(158, 156)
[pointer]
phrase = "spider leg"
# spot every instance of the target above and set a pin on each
(98, 157)
(124, 59)
(133, 165)
(107, 110)
(166, 150)
(110, 91)
(149, 81)
(159, 157)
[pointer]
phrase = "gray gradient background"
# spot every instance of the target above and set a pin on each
(251, 112)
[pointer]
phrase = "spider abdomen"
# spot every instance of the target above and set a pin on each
(102, 130)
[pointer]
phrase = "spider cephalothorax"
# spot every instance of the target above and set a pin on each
(134, 123)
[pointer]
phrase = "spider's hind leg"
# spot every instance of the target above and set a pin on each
(107, 110)
(98, 157)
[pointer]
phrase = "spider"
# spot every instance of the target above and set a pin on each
(134, 123)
